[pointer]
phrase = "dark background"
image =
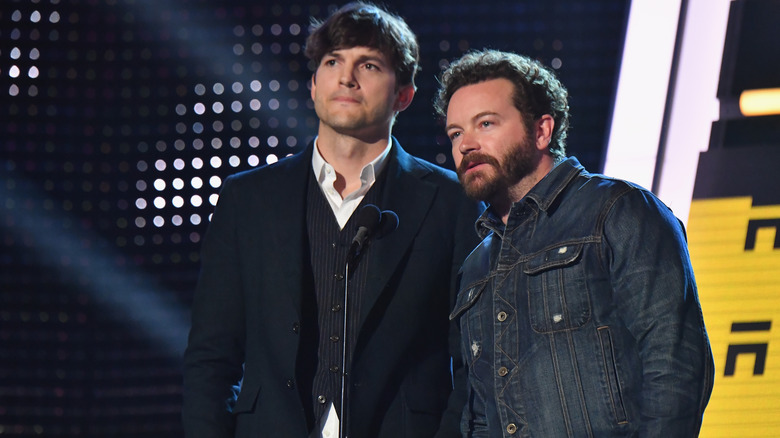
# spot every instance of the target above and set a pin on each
(118, 121)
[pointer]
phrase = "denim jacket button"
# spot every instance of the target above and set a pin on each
(502, 316)
(511, 428)
(503, 371)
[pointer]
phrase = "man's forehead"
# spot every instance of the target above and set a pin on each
(364, 50)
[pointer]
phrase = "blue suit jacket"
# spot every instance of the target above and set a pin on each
(247, 309)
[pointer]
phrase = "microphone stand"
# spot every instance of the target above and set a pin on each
(370, 220)
(345, 337)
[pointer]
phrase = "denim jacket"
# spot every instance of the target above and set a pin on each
(580, 317)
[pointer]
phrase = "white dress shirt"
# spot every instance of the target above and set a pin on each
(326, 176)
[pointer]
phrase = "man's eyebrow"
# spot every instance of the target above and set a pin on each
(377, 58)
(475, 117)
(332, 54)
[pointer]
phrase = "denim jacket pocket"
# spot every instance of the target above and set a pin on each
(467, 296)
(470, 322)
(613, 377)
(558, 297)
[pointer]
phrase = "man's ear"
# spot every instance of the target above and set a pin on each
(313, 84)
(544, 129)
(403, 98)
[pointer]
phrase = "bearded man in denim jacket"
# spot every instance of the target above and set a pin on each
(579, 312)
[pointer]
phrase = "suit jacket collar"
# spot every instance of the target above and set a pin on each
(287, 202)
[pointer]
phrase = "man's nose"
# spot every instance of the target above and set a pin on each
(468, 143)
(347, 77)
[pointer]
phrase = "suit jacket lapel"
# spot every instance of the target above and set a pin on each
(287, 238)
(410, 198)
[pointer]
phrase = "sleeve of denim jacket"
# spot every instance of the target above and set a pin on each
(655, 291)
(474, 422)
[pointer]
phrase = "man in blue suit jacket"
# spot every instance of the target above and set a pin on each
(267, 319)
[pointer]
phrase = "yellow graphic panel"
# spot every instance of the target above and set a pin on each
(736, 259)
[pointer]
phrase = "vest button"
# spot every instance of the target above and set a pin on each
(290, 384)
(322, 399)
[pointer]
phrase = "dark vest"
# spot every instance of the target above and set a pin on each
(319, 366)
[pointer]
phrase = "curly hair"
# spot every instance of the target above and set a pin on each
(536, 89)
(364, 24)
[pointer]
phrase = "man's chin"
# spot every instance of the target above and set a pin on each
(477, 189)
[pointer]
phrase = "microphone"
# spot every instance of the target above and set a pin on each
(368, 220)
(388, 222)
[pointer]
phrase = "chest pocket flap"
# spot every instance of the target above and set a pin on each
(468, 296)
(557, 257)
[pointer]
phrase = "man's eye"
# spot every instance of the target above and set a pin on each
(485, 123)
(371, 67)
(330, 62)
(454, 135)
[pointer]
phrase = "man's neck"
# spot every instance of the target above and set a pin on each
(518, 191)
(348, 155)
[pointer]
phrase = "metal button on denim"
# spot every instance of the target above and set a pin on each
(502, 316)
(503, 371)
(511, 428)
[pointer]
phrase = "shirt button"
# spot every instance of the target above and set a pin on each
(334, 338)
(322, 399)
(334, 368)
(511, 428)
(338, 277)
(336, 307)
(503, 371)
(501, 316)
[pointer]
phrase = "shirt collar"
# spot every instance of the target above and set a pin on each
(550, 187)
(543, 194)
(367, 175)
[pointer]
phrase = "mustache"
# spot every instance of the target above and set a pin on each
(475, 158)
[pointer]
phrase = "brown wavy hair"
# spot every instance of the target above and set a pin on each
(364, 24)
(536, 89)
